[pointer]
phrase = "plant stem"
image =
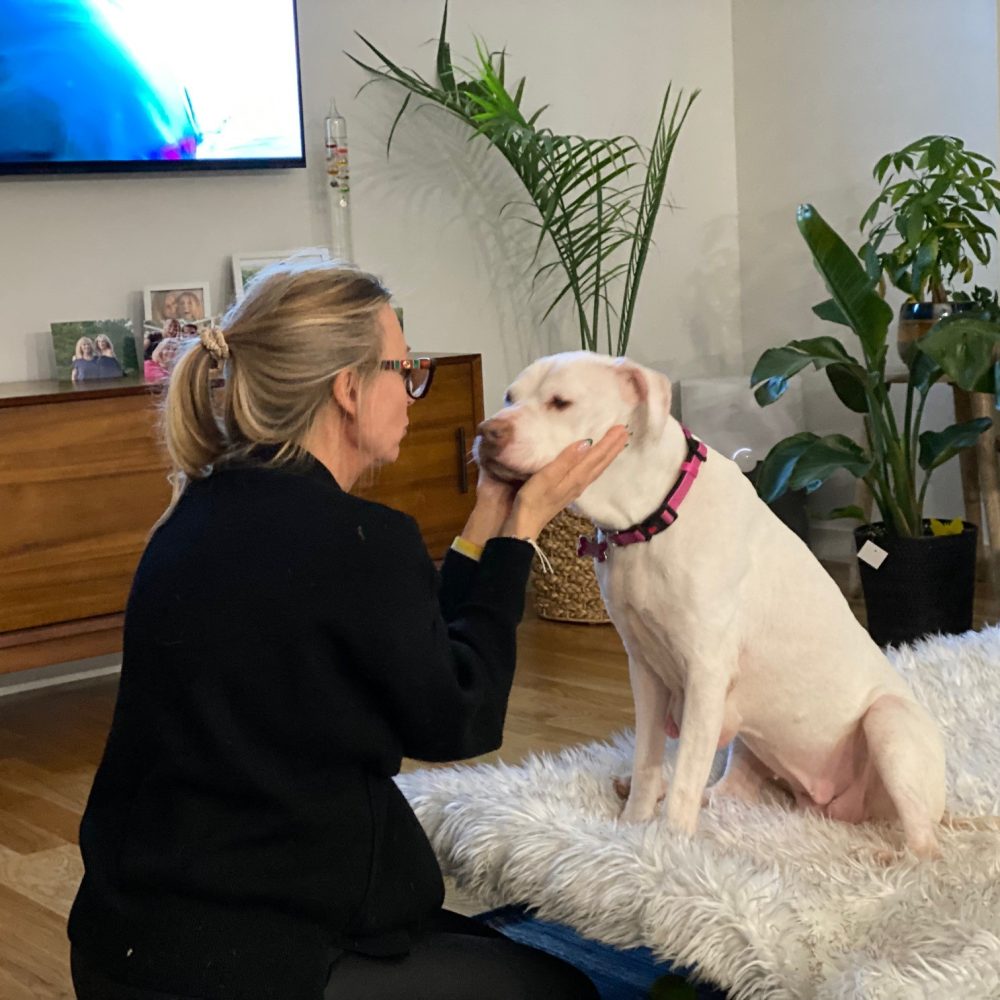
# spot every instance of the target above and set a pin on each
(911, 455)
(923, 490)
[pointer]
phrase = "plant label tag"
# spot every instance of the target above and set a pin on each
(872, 554)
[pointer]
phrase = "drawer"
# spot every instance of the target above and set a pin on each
(81, 484)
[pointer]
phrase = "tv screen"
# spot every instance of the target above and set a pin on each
(113, 85)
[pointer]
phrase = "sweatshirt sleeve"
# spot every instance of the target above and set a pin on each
(443, 684)
(457, 575)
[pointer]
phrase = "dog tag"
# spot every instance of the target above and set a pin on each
(872, 554)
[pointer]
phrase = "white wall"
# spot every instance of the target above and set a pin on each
(822, 90)
(425, 219)
(799, 99)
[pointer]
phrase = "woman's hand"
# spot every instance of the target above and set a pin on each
(494, 500)
(555, 486)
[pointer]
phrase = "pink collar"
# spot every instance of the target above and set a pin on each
(661, 518)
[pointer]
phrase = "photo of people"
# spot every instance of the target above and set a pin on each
(247, 265)
(90, 350)
(185, 302)
(161, 346)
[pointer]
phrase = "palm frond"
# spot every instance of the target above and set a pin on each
(652, 197)
(580, 194)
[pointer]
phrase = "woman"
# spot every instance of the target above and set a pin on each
(107, 364)
(286, 644)
(84, 364)
(162, 357)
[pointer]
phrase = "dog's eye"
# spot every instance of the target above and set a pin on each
(507, 398)
(558, 403)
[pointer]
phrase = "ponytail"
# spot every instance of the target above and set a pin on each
(297, 326)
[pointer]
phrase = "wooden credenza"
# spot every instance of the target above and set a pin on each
(83, 478)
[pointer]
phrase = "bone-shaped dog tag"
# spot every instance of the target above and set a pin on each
(872, 554)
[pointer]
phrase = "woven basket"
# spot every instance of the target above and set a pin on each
(570, 592)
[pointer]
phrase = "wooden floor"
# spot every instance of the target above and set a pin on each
(571, 687)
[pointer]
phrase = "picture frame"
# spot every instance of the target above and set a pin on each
(94, 350)
(182, 300)
(246, 265)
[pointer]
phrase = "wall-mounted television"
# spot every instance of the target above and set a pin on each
(122, 85)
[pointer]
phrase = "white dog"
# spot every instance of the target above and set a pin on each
(732, 627)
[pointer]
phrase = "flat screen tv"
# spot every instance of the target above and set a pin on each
(121, 85)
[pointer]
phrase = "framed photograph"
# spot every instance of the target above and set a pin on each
(183, 301)
(88, 350)
(246, 265)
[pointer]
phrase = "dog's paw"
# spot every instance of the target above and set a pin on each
(886, 856)
(633, 814)
(623, 788)
(889, 855)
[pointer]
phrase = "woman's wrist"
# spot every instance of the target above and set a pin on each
(520, 524)
(485, 522)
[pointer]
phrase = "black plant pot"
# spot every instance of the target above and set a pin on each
(925, 585)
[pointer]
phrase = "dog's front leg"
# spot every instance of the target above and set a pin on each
(704, 713)
(651, 700)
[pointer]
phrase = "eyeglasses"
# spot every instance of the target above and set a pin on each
(418, 373)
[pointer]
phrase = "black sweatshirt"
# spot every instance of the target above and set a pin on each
(286, 644)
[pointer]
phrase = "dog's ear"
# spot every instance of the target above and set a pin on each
(647, 390)
(632, 382)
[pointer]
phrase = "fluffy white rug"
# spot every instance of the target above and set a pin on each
(764, 901)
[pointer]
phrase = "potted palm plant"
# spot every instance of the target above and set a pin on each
(925, 583)
(927, 227)
(593, 202)
(586, 198)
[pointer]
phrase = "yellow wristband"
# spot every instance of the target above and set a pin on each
(467, 548)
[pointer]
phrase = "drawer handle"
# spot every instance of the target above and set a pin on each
(463, 461)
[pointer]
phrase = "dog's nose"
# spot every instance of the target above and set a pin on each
(495, 432)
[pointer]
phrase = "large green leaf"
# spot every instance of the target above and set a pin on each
(776, 470)
(964, 347)
(778, 364)
(854, 292)
(938, 447)
(824, 457)
(771, 390)
(782, 361)
(924, 372)
(849, 389)
(831, 312)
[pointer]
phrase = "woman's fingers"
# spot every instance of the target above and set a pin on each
(581, 457)
(563, 480)
(600, 455)
(595, 460)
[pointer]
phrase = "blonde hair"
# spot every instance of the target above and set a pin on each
(78, 354)
(104, 338)
(298, 325)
